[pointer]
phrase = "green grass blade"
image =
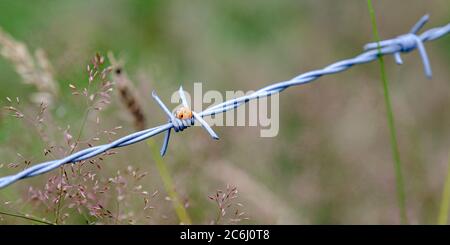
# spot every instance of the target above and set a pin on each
(401, 196)
(181, 212)
(445, 202)
(21, 216)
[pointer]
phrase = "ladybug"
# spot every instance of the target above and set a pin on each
(183, 113)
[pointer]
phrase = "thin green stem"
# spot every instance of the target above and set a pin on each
(80, 132)
(27, 218)
(445, 202)
(401, 196)
(60, 195)
(219, 216)
(168, 184)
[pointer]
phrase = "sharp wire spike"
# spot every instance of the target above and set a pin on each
(183, 97)
(171, 118)
(398, 59)
(161, 104)
(205, 125)
(420, 24)
(424, 56)
(165, 143)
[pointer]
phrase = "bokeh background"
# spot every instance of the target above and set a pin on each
(331, 162)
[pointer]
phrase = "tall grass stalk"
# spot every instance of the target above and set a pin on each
(26, 217)
(445, 202)
(181, 212)
(401, 196)
(61, 192)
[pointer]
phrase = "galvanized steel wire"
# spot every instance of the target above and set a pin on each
(401, 44)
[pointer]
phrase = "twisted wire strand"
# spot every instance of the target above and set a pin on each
(401, 44)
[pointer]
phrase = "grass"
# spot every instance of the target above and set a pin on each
(181, 212)
(445, 202)
(401, 195)
(26, 217)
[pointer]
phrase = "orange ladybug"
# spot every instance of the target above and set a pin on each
(183, 113)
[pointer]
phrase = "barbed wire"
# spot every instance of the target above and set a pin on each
(401, 44)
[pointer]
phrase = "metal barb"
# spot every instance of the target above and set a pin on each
(197, 117)
(406, 43)
(178, 124)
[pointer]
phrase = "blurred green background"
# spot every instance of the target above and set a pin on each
(331, 162)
